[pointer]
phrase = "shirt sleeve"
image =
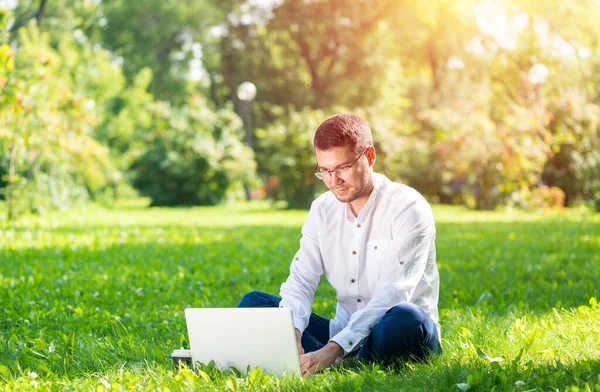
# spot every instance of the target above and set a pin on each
(413, 237)
(298, 291)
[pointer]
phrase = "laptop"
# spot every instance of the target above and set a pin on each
(242, 337)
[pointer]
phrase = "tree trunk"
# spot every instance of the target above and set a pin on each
(40, 12)
(213, 88)
(433, 65)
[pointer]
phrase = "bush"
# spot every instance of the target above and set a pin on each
(575, 165)
(192, 155)
(48, 157)
(288, 158)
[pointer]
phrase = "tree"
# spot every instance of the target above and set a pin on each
(49, 155)
(313, 54)
(161, 36)
(192, 155)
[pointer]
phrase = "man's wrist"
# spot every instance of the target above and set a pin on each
(334, 349)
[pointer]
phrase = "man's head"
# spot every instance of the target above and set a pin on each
(345, 156)
(342, 130)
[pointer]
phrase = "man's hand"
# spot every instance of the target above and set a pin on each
(299, 342)
(321, 359)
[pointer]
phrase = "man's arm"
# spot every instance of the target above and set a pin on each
(297, 292)
(299, 341)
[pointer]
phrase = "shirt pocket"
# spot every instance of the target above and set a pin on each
(382, 262)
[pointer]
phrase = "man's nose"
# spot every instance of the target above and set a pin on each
(335, 177)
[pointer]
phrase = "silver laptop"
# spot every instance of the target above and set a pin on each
(242, 337)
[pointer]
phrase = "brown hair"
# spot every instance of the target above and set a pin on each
(343, 130)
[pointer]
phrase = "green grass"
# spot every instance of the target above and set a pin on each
(94, 299)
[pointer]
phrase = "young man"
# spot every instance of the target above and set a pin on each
(375, 242)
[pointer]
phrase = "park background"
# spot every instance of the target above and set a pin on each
(156, 155)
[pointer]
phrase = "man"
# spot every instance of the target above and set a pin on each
(375, 242)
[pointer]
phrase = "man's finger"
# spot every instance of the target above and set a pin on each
(308, 371)
(305, 370)
(308, 364)
(313, 369)
(304, 359)
(305, 363)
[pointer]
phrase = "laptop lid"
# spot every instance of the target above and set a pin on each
(242, 337)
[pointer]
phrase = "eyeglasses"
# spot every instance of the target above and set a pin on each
(341, 171)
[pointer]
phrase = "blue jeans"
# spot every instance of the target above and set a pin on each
(404, 332)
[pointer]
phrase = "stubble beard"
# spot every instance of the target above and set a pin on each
(349, 198)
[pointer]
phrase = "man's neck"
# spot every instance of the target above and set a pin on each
(358, 204)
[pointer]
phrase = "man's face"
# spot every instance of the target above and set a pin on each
(347, 183)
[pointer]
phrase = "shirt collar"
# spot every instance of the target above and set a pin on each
(377, 181)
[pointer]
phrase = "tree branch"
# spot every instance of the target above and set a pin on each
(305, 52)
(40, 12)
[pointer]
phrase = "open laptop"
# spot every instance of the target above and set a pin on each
(242, 337)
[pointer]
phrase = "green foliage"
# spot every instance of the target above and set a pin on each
(316, 54)
(287, 148)
(161, 36)
(444, 84)
(71, 124)
(192, 155)
(58, 17)
(575, 167)
(48, 155)
(94, 299)
(447, 91)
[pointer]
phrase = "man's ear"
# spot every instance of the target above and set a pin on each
(371, 155)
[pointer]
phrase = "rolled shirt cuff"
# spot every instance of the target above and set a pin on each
(299, 323)
(348, 340)
(335, 327)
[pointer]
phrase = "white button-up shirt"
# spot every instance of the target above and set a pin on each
(383, 257)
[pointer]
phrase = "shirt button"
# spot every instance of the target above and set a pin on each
(352, 280)
(375, 247)
(401, 262)
(358, 225)
(350, 342)
(353, 252)
(358, 300)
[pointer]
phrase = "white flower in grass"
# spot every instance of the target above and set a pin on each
(463, 386)
(32, 375)
(519, 384)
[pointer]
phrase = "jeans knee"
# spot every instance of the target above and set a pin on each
(250, 298)
(404, 330)
(405, 317)
(257, 299)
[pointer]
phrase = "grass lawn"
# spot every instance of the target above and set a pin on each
(94, 299)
